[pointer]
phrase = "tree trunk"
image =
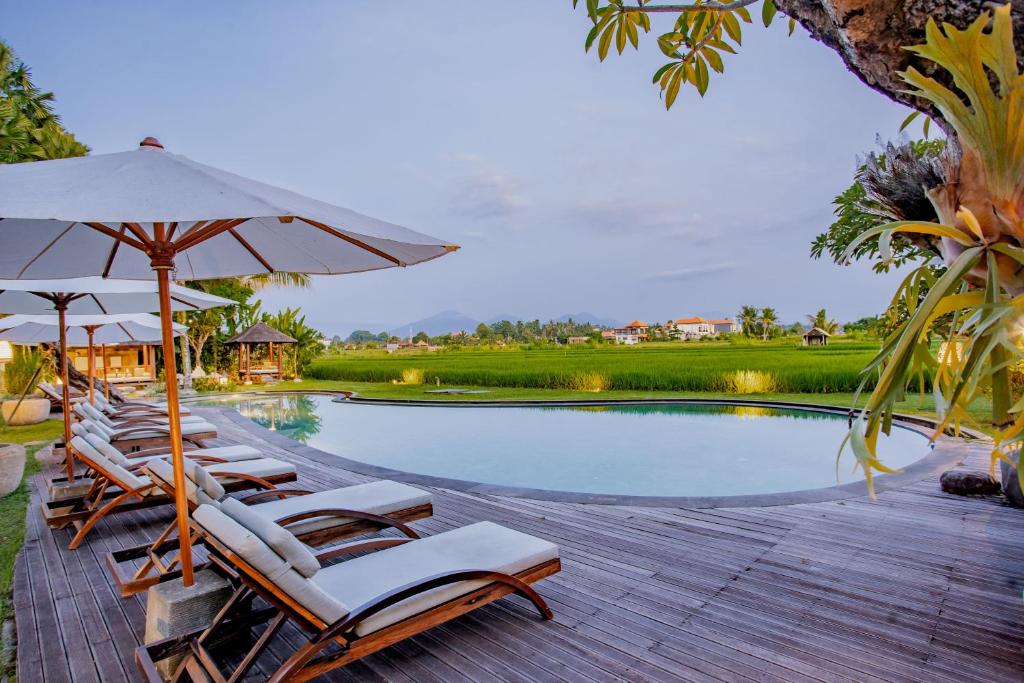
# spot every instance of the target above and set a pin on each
(869, 36)
(186, 365)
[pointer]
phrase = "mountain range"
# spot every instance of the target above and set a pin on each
(447, 322)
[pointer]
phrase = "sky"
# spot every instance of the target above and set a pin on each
(564, 180)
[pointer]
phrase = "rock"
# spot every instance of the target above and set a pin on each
(29, 411)
(12, 467)
(48, 456)
(963, 483)
(1011, 484)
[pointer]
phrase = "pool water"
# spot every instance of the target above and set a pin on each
(651, 450)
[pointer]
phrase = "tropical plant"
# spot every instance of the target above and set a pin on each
(821, 321)
(977, 302)
(307, 344)
(23, 372)
(767, 320)
(747, 318)
(29, 129)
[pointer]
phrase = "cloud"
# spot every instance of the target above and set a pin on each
(691, 272)
(620, 216)
(483, 192)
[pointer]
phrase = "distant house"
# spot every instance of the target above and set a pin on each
(694, 328)
(631, 333)
(608, 335)
(816, 337)
(724, 326)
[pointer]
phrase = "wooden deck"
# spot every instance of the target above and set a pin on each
(916, 586)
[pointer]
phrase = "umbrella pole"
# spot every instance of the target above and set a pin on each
(162, 269)
(62, 306)
(106, 382)
(90, 330)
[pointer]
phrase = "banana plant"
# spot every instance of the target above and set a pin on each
(977, 305)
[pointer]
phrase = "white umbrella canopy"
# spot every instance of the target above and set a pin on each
(97, 296)
(69, 215)
(140, 328)
(145, 213)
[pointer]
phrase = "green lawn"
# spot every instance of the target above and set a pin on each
(14, 506)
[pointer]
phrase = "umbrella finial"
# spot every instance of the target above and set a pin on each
(151, 142)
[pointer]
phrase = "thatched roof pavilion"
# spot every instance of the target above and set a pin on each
(260, 333)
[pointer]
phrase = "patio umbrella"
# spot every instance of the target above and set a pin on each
(86, 330)
(133, 214)
(91, 296)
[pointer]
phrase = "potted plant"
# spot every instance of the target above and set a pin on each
(21, 377)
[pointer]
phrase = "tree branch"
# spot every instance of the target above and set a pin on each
(679, 9)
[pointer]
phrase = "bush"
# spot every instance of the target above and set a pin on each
(20, 373)
(750, 382)
(412, 376)
(590, 381)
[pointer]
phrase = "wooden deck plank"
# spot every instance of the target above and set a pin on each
(913, 586)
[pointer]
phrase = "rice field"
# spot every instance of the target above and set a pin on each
(739, 369)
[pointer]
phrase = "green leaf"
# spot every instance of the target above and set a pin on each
(605, 42)
(714, 59)
(722, 45)
(634, 36)
(792, 26)
(673, 88)
(732, 27)
(768, 11)
(744, 14)
(661, 72)
(701, 70)
(590, 38)
(909, 120)
(620, 34)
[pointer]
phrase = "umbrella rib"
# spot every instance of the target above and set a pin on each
(128, 334)
(110, 257)
(109, 232)
(352, 240)
(45, 249)
(137, 231)
(255, 254)
(185, 302)
(194, 237)
(101, 307)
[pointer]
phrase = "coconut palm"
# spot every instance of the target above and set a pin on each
(768, 319)
(748, 320)
(821, 321)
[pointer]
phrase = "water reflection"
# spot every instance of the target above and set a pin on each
(294, 415)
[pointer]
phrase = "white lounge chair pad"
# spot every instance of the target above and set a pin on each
(187, 429)
(379, 498)
(484, 545)
(230, 453)
(257, 467)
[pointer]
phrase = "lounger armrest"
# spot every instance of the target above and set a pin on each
(276, 494)
(336, 551)
(262, 483)
(342, 513)
(349, 622)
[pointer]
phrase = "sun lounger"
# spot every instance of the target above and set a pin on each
(85, 411)
(148, 435)
(351, 609)
(117, 488)
(114, 409)
(314, 518)
(56, 396)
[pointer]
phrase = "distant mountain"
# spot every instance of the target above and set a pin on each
(499, 318)
(444, 322)
(587, 318)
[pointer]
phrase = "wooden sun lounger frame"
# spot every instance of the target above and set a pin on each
(157, 568)
(86, 512)
(134, 455)
(309, 660)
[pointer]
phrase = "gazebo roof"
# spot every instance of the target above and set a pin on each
(260, 333)
(816, 332)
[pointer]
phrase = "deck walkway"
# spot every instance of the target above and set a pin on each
(916, 586)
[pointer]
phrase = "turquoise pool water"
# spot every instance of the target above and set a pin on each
(654, 450)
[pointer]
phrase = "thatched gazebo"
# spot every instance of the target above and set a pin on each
(260, 333)
(816, 337)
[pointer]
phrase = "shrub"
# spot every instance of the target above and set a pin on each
(20, 372)
(412, 376)
(750, 382)
(590, 381)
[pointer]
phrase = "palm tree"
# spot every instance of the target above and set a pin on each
(768, 320)
(821, 321)
(748, 320)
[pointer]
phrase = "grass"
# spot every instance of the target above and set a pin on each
(782, 366)
(13, 507)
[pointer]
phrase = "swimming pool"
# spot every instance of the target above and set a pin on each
(627, 450)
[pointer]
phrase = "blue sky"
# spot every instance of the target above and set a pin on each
(566, 182)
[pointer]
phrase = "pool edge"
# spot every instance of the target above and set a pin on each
(948, 452)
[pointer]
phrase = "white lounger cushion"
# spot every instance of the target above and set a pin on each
(290, 549)
(201, 488)
(382, 497)
(251, 548)
(124, 479)
(87, 412)
(229, 453)
(484, 545)
(260, 467)
(187, 429)
(112, 408)
(334, 591)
